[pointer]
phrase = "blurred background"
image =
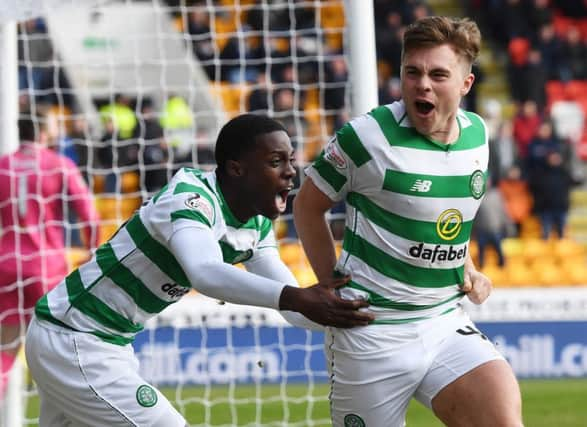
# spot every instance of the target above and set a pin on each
(133, 90)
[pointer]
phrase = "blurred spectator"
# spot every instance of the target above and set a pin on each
(535, 78)
(84, 147)
(491, 224)
(37, 186)
(539, 13)
(121, 114)
(502, 149)
(514, 19)
(574, 55)
(390, 92)
(35, 50)
(242, 58)
(549, 179)
(202, 43)
(286, 111)
(279, 56)
(550, 46)
(336, 79)
(307, 49)
(418, 11)
(154, 152)
(517, 197)
(260, 95)
(568, 120)
(177, 122)
(526, 123)
(518, 49)
(388, 41)
(574, 8)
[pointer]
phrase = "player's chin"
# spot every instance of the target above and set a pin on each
(272, 211)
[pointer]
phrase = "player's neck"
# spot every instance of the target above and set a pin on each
(233, 197)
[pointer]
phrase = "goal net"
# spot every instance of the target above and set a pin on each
(133, 90)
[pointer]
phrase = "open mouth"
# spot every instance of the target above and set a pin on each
(424, 107)
(281, 199)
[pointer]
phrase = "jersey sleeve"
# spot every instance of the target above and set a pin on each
(182, 205)
(200, 257)
(331, 172)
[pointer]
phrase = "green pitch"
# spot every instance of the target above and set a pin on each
(547, 403)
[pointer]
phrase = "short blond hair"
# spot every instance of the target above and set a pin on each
(461, 34)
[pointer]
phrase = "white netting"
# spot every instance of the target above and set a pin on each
(132, 90)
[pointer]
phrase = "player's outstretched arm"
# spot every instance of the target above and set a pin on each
(321, 304)
(200, 257)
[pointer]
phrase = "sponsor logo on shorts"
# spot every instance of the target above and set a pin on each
(146, 396)
(477, 184)
(353, 420)
(449, 224)
(174, 290)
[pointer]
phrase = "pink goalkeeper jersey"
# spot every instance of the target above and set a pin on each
(37, 186)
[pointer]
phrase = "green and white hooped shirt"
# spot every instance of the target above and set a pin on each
(134, 276)
(410, 208)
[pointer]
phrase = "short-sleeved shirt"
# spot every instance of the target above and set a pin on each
(134, 276)
(410, 205)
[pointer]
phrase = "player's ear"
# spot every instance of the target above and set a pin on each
(234, 168)
(467, 84)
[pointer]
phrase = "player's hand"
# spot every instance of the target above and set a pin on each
(477, 286)
(321, 304)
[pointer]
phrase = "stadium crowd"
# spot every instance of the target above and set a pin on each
(538, 141)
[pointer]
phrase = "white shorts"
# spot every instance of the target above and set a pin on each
(377, 369)
(84, 381)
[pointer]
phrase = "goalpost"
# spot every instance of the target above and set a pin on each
(189, 65)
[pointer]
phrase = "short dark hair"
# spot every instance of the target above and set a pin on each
(28, 130)
(239, 135)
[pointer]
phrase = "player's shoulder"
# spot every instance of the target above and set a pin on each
(192, 177)
(189, 195)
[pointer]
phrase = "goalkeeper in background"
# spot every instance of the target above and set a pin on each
(412, 175)
(187, 236)
(37, 185)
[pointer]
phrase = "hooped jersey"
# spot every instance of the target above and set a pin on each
(134, 275)
(410, 205)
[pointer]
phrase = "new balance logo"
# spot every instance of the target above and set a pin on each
(421, 186)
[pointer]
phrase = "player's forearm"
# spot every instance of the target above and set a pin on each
(268, 264)
(314, 232)
(228, 283)
(209, 275)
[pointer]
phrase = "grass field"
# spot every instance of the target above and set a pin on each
(547, 403)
